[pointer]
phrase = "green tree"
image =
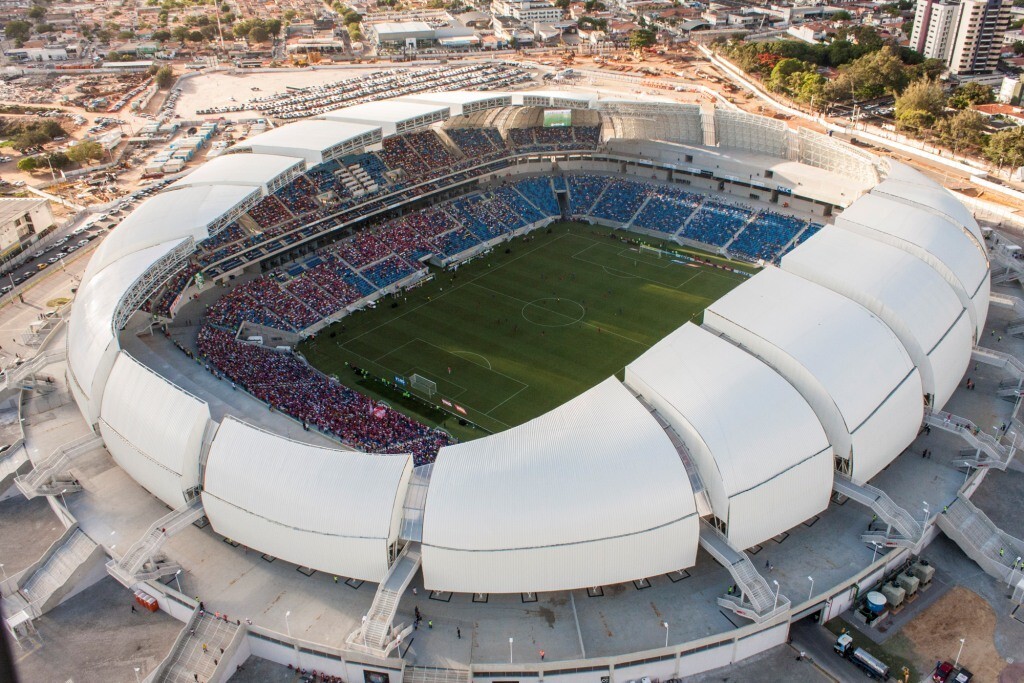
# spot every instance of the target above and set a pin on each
(641, 38)
(164, 77)
(274, 27)
(289, 14)
(963, 132)
(970, 94)
(58, 160)
(179, 33)
(37, 12)
(161, 35)
(196, 37)
(841, 15)
(1006, 148)
(779, 78)
(18, 30)
(28, 164)
(354, 33)
(85, 151)
(259, 34)
(920, 104)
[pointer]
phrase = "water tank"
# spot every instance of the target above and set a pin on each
(908, 583)
(876, 602)
(923, 571)
(893, 594)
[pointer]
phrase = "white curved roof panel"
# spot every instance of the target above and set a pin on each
(460, 102)
(310, 139)
(705, 388)
(387, 114)
(562, 485)
(153, 429)
(931, 237)
(91, 339)
(253, 170)
(846, 362)
(341, 511)
(176, 215)
(932, 197)
(916, 303)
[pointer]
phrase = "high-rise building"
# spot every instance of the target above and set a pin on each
(966, 34)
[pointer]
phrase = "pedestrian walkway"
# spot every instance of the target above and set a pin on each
(188, 659)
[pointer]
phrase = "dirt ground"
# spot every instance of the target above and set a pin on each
(961, 613)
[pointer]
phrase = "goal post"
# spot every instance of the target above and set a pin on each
(423, 385)
(652, 251)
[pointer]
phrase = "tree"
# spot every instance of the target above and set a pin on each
(164, 77)
(259, 34)
(1018, 47)
(842, 15)
(289, 14)
(778, 80)
(28, 164)
(179, 33)
(964, 132)
(58, 160)
(37, 12)
(1006, 148)
(85, 151)
(354, 34)
(161, 35)
(641, 38)
(920, 104)
(274, 27)
(196, 37)
(970, 94)
(18, 30)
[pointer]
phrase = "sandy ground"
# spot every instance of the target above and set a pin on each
(961, 613)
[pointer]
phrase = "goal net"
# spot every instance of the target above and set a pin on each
(423, 385)
(651, 251)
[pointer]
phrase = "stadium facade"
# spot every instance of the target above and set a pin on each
(828, 360)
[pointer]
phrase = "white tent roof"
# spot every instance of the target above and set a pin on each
(90, 330)
(153, 429)
(307, 139)
(932, 197)
(333, 492)
(168, 216)
(596, 467)
(849, 350)
(384, 111)
(579, 99)
(715, 387)
(239, 169)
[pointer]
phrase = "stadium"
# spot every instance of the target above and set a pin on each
(808, 308)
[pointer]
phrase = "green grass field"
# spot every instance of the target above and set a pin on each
(512, 335)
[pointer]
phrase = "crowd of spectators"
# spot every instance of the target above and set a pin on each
(583, 192)
(287, 384)
(299, 196)
(477, 143)
(270, 211)
(667, 210)
(620, 200)
(538, 192)
(766, 236)
(716, 223)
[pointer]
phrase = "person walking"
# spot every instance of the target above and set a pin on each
(204, 647)
(430, 623)
(133, 608)
(458, 633)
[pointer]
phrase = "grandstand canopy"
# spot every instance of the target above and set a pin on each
(930, 196)
(753, 437)
(170, 216)
(342, 511)
(554, 98)
(463, 102)
(255, 170)
(91, 339)
(915, 302)
(314, 140)
(847, 363)
(931, 237)
(591, 493)
(393, 116)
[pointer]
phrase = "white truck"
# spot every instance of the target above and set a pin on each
(867, 662)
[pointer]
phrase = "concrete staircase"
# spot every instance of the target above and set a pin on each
(908, 530)
(994, 550)
(376, 635)
(41, 586)
(138, 563)
(997, 455)
(757, 601)
(13, 464)
(187, 657)
(1011, 364)
(50, 477)
(13, 378)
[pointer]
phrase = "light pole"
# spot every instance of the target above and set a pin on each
(925, 502)
(1013, 571)
(287, 627)
(176, 582)
(665, 625)
(959, 652)
(136, 674)
(510, 649)
(777, 588)
(4, 571)
(810, 592)
(63, 499)
(874, 554)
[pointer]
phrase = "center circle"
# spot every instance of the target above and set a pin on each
(554, 312)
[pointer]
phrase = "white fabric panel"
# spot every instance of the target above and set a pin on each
(167, 216)
(384, 111)
(304, 139)
(160, 480)
(347, 499)
(891, 429)
(916, 303)
(157, 421)
(843, 359)
(90, 333)
(254, 170)
(932, 197)
(944, 246)
(598, 562)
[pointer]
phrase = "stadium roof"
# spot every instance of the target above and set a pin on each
(931, 196)
(840, 356)
(390, 114)
(169, 216)
(234, 169)
(916, 303)
(596, 470)
(931, 237)
(744, 426)
(311, 139)
(461, 102)
(345, 503)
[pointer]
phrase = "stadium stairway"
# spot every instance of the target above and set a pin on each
(994, 550)
(1004, 361)
(15, 377)
(628, 225)
(13, 464)
(41, 590)
(682, 228)
(187, 657)
(756, 601)
(1014, 268)
(139, 563)
(754, 216)
(996, 455)
(50, 477)
(908, 530)
(1015, 328)
(1009, 389)
(1007, 301)
(376, 635)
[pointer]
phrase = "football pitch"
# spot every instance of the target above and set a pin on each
(521, 330)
